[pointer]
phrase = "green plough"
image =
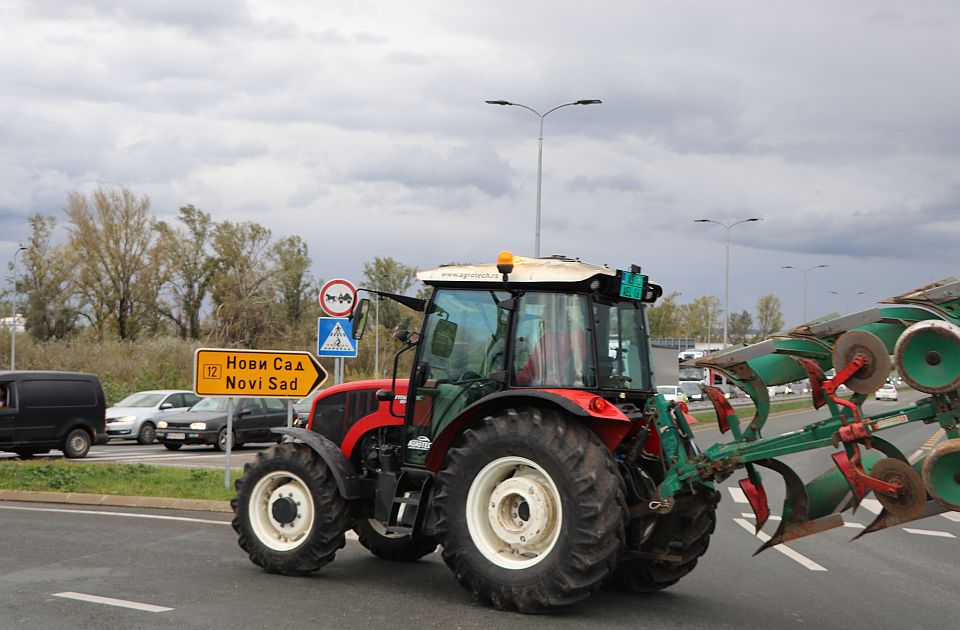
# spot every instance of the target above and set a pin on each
(920, 330)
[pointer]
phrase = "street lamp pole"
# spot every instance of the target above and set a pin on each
(13, 314)
(726, 284)
(846, 299)
(536, 243)
(804, 272)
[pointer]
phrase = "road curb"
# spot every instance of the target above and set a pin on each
(78, 498)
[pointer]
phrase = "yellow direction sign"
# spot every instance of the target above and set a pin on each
(277, 373)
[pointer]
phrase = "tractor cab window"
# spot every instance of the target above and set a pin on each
(624, 354)
(554, 342)
(462, 345)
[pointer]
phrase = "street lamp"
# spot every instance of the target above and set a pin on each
(13, 314)
(846, 299)
(592, 101)
(726, 286)
(804, 272)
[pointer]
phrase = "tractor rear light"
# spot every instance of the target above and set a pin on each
(598, 404)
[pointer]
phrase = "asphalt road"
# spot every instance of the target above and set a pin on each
(903, 577)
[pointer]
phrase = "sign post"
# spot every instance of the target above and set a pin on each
(254, 373)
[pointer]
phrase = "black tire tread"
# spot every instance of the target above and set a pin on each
(407, 549)
(684, 535)
(590, 551)
(331, 511)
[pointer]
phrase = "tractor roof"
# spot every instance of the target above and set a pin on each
(555, 269)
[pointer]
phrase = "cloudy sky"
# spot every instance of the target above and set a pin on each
(361, 126)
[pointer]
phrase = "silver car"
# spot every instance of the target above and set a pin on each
(136, 416)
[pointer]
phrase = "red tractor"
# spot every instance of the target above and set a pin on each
(523, 443)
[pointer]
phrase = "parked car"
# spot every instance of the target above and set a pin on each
(692, 391)
(206, 423)
(672, 393)
(136, 416)
(887, 391)
(40, 411)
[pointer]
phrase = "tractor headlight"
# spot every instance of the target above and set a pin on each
(198, 426)
(162, 424)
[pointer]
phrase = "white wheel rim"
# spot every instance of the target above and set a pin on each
(271, 532)
(514, 513)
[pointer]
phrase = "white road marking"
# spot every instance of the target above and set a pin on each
(927, 532)
(872, 505)
(913, 459)
(737, 495)
(104, 513)
(109, 601)
(787, 551)
(113, 458)
(750, 516)
(753, 516)
(351, 535)
(953, 516)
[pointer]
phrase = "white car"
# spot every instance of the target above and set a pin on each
(692, 391)
(136, 416)
(887, 391)
(672, 393)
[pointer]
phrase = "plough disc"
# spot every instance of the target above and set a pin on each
(870, 377)
(911, 497)
(941, 474)
(927, 356)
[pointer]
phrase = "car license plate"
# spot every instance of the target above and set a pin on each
(176, 436)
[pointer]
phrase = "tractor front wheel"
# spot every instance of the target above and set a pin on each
(288, 512)
(531, 511)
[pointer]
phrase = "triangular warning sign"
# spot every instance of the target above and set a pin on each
(337, 340)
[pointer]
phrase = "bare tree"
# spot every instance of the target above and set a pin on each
(739, 327)
(291, 265)
(769, 316)
(46, 283)
(242, 287)
(189, 268)
(112, 241)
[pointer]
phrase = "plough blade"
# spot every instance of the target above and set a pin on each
(756, 495)
(885, 519)
(811, 508)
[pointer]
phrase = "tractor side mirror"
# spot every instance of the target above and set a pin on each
(358, 317)
(385, 395)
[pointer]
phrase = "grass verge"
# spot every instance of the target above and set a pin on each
(116, 479)
(707, 417)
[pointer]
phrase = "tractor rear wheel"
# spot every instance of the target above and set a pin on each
(401, 547)
(678, 539)
(531, 511)
(288, 512)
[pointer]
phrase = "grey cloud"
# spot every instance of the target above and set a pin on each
(476, 166)
(622, 182)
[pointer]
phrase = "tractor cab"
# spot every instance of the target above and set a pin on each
(493, 333)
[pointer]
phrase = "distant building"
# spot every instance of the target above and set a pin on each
(20, 321)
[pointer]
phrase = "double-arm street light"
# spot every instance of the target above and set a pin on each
(726, 285)
(804, 272)
(592, 101)
(13, 314)
(846, 298)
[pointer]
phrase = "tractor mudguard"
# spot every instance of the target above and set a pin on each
(347, 480)
(606, 421)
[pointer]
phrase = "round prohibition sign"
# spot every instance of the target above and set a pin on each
(337, 297)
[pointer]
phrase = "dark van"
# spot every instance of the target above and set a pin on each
(40, 411)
